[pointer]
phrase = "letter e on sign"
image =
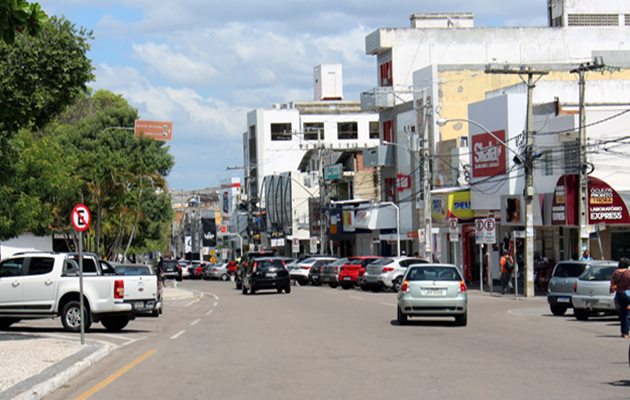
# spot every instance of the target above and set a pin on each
(80, 217)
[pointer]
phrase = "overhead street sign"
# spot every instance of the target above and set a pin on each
(81, 217)
(158, 130)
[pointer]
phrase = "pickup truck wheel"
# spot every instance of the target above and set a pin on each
(5, 323)
(71, 316)
(114, 324)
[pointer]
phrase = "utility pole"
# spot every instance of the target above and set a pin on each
(533, 76)
(583, 189)
(427, 149)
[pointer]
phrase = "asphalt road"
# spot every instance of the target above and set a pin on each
(322, 343)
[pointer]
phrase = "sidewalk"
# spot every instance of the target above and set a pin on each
(35, 365)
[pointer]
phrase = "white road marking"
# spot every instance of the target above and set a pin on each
(195, 322)
(216, 303)
(389, 304)
(192, 302)
(209, 312)
(178, 334)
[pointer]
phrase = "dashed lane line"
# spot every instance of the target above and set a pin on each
(209, 312)
(195, 322)
(216, 303)
(178, 334)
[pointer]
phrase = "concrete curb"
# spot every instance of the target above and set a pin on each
(43, 384)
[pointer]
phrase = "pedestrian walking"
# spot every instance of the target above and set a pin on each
(620, 285)
(507, 266)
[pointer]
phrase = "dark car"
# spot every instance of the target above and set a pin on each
(314, 274)
(266, 273)
(245, 262)
(170, 269)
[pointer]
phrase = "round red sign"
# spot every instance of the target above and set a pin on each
(81, 217)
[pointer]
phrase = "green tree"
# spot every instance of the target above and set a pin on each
(18, 16)
(39, 77)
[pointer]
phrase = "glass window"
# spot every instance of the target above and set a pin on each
(133, 270)
(598, 274)
(40, 265)
(339, 263)
(382, 261)
(281, 131)
(106, 268)
(347, 130)
(12, 267)
(433, 274)
(374, 130)
(311, 130)
(569, 270)
(89, 266)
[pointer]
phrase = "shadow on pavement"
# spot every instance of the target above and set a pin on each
(620, 383)
(20, 329)
(421, 322)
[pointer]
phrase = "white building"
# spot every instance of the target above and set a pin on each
(439, 61)
(277, 139)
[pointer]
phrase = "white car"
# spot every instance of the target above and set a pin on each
(299, 271)
(388, 272)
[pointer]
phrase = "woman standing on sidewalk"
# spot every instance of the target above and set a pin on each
(620, 283)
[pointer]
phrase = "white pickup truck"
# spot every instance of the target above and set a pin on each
(46, 285)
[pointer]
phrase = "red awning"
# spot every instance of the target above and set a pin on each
(605, 205)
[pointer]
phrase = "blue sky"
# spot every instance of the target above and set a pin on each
(203, 64)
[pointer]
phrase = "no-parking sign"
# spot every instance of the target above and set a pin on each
(485, 231)
(81, 217)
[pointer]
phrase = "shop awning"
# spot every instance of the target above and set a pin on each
(605, 205)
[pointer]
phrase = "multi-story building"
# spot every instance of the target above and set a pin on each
(440, 63)
(277, 140)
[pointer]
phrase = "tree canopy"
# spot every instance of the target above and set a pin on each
(17, 16)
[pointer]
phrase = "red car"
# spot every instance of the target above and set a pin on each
(354, 269)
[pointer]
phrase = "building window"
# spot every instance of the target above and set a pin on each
(627, 18)
(593, 20)
(347, 130)
(374, 131)
(281, 131)
(312, 129)
(385, 70)
(388, 131)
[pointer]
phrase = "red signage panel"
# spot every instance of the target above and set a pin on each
(604, 203)
(158, 130)
(488, 154)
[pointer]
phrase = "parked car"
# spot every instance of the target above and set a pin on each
(183, 266)
(216, 271)
(353, 269)
(266, 273)
(315, 273)
(564, 275)
(42, 285)
(195, 270)
(330, 272)
(388, 272)
(142, 270)
(299, 272)
(433, 290)
(171, 269)
(245, 263)
(591, 292)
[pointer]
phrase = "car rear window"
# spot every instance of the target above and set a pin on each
(569, 270)
(132, 270)
(382, 261)
(598, 274)
(339, 262)
(433, 274)
(264, 265)
(356, 261)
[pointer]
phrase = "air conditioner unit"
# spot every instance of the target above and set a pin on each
(380, 156)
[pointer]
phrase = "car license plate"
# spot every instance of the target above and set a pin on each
(347, 278)
(138, 305)
(271, 275)
(433, 292)
(563, 299)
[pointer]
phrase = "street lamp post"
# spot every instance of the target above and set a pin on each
(529, 217)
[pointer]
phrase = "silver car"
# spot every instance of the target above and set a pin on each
(563, 277)
(591, 293)
(216, 271)
(388, 272)
(433, 290)
(330, 272)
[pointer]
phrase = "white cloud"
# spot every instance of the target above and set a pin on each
(173, 65)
